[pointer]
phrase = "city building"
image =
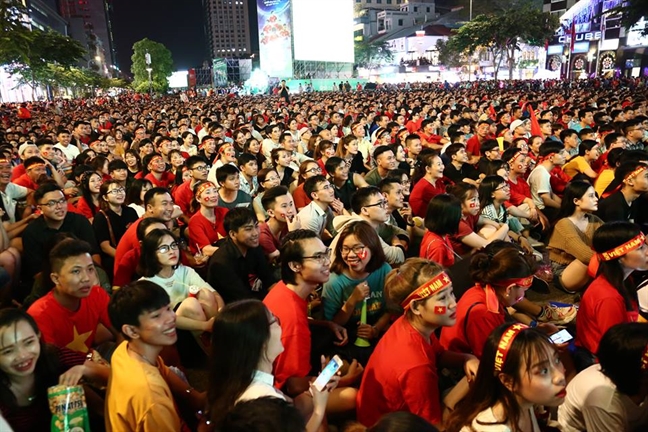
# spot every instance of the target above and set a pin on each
(44, 15)
(89, 23)
(383, 17)
(227, 28)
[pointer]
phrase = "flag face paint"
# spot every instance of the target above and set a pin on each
(440, 310)
(363, 254)
(473, 205)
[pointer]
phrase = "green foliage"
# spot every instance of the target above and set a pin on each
(449, 55)
(631, 12)
(161, 63)
(501, 32)
(372, 54)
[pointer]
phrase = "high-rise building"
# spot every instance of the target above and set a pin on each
(44, 14)
(89, 23)
(557, 7)
(227, 28)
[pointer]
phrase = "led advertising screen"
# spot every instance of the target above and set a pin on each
(323, 30)
(275, 32)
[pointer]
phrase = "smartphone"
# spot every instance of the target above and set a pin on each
(327, 373)
(561, 337)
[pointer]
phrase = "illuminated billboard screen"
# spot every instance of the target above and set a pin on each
(275, 32)
(323, 30)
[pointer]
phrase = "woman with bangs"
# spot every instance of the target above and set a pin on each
(196, 303)
(611, 298)
(206, 225)
(348, 150)
(307, 169)
(409, 380)
(356, 286)
(519, 368)
(88, 204)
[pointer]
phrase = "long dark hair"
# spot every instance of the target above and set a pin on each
(47, 367)
(103, 193)
(135, 191)
(239, 336)
(609, 236)
(149, 265)
(575, 190)
(488, 390)
(487, 188)
(85, 189)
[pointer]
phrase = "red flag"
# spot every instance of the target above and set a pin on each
(491, 112)
(535, 126)
(440, 310)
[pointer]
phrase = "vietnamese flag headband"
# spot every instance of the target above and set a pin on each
(203, 187)
(505, 343)
(428, 289)
(524, 282)
(619, 251)
(636, 172)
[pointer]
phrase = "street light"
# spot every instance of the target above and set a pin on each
(149, 69)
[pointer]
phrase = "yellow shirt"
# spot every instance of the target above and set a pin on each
(138, 397)
(603, 181)
(575, 166)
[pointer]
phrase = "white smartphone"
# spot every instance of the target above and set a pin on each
(327, 373)
(561, 337)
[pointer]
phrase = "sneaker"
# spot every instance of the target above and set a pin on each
(557, 314)
(535, 244)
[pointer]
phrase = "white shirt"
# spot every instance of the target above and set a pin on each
(266, 148)
(539, 181)
(313, 218)
(177, 286)
(485, 421)
(70, 152)
(594, 404)
(262, 385)
(12, 193)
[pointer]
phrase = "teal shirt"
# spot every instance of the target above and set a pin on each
(339, 288)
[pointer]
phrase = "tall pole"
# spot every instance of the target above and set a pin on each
(149, 69)
(470, 58)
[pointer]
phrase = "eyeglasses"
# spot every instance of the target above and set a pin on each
(166, 248)
(269, 179)
(327, 186)
(381, 204)
(320, 257)
(275, 319)
(357, 250)
(52, 204)
(117, 191)
(202, 168)
(503, 187)
(314, 170)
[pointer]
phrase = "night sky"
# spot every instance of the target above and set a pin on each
(178, 24)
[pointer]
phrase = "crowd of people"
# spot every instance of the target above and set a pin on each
(261, 237)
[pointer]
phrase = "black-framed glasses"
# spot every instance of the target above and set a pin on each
(117, 191)
(166, 248)
(55, 203)
(503, 187)
(381, 203)
(357, 250)
(202, 168)
(320, 257)
(314, 170)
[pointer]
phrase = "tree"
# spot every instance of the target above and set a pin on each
(449, 55)
(371, 54)
(501, 32)
(161, 63)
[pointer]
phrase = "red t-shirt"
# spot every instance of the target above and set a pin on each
(17, 171)
(601, 307)
(268, 242)
(204, 233)
(473, 146)
(292, 312)
(519, 191)
(84, 209)
(126, 269)
(300, 197)
(404, 382)
(73, 330)
(437, 248)
(558, 180)
(486, 314)
(429, 139)
(165, 181)
(422, 193)
(466, 227)
(26, 181)
(182, 196)
(127, 242)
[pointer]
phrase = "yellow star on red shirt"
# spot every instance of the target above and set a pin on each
(78, 342)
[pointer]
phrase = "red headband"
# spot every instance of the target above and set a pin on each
(428, 289)
(224, 147)
(203, 187)
(522, 282)
(515, 156)
(619, 251)
(504, 345)
(644, 360)
(636, 172)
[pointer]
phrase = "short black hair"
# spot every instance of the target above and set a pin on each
(291, 250)
(620, 354)
(245, 158)
(443, 214)
(387, 184)
(362, 196)
(238, 217)
(488, 145)
(150, 194)
(380, 150)
(129, 302)
(265, 414)
(310, 185)
(144, 224)
(65, 249)
(116, 164)
(45, 188)
(453, 149)
(34, 160)
(550, 146)
(271, 195)
(225, 171)
(332, 164)
(192, 161)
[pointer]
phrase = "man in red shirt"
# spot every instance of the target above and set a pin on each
(304, 266)
(70, 314)
(36, 173)
(183, 194)
(428, 137)
(474, 143)
(158, 175)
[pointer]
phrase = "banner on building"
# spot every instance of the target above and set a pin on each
(219, 69)
(275, 37)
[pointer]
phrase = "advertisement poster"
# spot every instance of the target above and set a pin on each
(219, 68)
(275, 37)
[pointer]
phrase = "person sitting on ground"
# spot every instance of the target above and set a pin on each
(141, 389)
(570, 245)
(229, 193)
(630, 181)
(246, 339)
(238, 269)
(74, 313)
(282, 218)
(441, 221)
(520, 368)
(206, 225)
(318, 215)
(194, 300)
(431, 183)
(611, 395)
(410, 381)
